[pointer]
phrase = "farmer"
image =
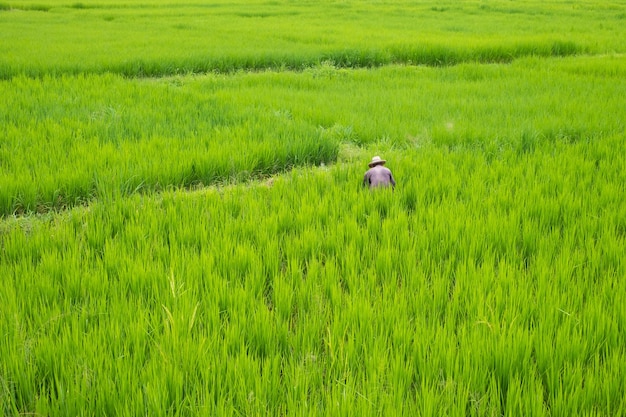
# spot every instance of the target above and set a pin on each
(378, 175)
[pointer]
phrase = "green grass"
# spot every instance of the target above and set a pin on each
(162, 38)
(480, 287)
(75, 138)
(78, 138)
(198, 242)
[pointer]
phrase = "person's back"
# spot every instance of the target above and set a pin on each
(378, 175)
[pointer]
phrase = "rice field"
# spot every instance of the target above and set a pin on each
(138, 39)
(185, 232)
(79, 138)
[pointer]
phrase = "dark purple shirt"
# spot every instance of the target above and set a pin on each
(379, 176)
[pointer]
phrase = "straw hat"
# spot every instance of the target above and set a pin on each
(376, 161)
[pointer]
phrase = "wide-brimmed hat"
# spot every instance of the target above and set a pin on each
(376, 161)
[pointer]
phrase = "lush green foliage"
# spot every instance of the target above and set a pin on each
(201, 244)
(482, 286)
(136, 38)
(76, 138)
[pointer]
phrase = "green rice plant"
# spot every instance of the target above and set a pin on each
(99, 129)
(311, 295)
(489, 282)
(139, 40)
(93, 149)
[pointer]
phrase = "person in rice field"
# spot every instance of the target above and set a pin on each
(378, 175)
